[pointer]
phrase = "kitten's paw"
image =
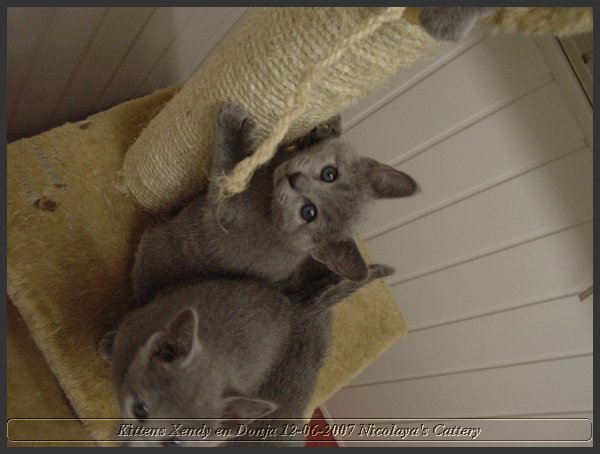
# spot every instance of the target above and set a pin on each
(234, 117)
(378, 271)
(451, 23)
(232, 112)
(329, 128)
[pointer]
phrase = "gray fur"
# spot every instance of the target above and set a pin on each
(241, 328)
(260, 233)
(251, 344)
(452, 23)
(292, 382)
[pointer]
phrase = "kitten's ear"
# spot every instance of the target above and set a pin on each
(177, 342)
(245, 409)
(387, 182)
(343, 258)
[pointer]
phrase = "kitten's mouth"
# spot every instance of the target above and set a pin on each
(293, 179)
(285, 179)
(285, 176)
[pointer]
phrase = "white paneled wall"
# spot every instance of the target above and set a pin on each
(66, 63)
(494, 251)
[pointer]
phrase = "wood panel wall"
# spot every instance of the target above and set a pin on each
(65, 63)
(492, 255)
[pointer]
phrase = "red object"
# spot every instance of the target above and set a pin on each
(320, 441)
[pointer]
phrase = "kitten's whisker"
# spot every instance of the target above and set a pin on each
(219, 205)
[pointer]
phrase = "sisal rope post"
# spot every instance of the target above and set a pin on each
(297, 101)
(261, 66)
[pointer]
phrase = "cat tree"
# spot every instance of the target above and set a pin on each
(79, 195)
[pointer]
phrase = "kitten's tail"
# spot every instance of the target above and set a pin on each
(323, 294)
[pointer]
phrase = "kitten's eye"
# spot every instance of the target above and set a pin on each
(140, 411)
(308, 212)
(329, 174)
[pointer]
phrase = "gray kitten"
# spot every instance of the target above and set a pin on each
(222, 349)
(452, 23)
(298, 211)
(200, 351)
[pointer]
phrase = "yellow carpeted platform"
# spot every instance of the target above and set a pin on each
(33, 392)
(71, 237)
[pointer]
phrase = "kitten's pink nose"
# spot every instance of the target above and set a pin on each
(293, 178)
